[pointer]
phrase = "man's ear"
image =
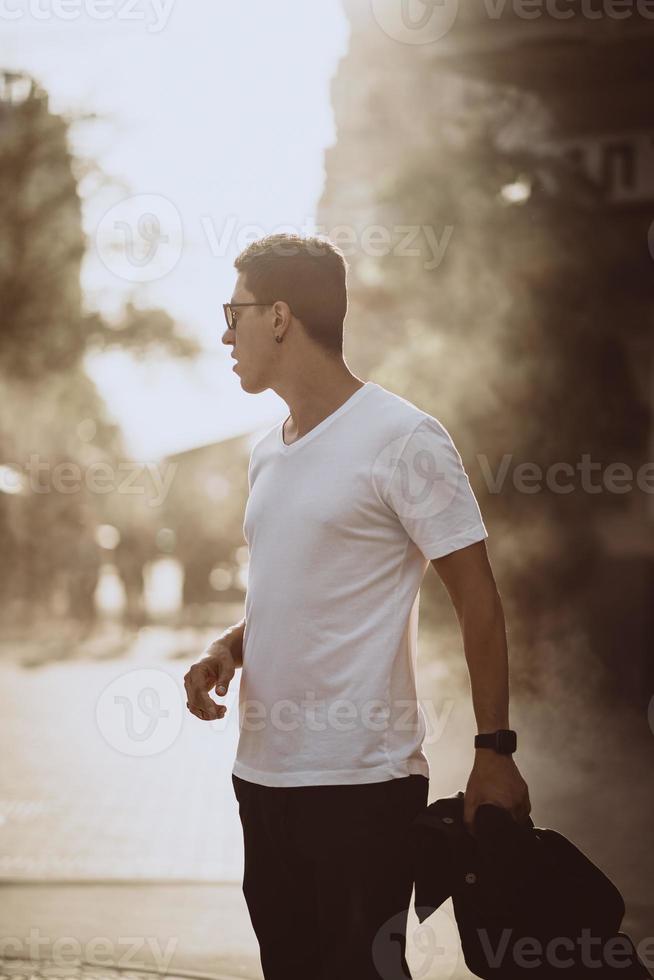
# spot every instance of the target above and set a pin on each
(282, 311)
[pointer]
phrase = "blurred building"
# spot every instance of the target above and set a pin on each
(201, 521)
(595, 78)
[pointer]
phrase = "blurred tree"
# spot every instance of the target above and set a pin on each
(53, 417)
(138, 331)
(44, 327)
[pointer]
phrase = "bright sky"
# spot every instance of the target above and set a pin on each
(215, 114)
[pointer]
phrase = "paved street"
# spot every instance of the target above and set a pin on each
(109, 776)
(201, 928)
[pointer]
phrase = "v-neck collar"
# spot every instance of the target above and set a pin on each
(326, 422)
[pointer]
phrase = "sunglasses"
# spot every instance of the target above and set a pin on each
(231, 317)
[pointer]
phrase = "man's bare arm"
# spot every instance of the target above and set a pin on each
(469, 580)
(233, 639)
(214, 671)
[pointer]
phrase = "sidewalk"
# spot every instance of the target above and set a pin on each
(169, 929)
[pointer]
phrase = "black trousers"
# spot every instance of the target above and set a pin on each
(328, 877)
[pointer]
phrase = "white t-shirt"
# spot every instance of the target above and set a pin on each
(340, 526)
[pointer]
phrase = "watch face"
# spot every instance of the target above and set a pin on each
(506, 741)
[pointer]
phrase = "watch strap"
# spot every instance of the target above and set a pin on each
(504, 741)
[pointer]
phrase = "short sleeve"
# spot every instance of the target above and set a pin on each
(425, 484)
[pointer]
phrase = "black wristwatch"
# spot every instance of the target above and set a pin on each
(504, 741)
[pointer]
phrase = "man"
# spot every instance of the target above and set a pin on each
(350, 499)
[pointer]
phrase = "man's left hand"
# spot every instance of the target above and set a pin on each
(495, 779)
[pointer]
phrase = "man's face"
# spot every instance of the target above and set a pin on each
(251, 340)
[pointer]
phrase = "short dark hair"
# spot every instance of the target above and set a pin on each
(310, 274)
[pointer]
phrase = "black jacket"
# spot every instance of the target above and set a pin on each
(512, 883)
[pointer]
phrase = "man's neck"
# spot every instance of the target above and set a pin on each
(311, 401)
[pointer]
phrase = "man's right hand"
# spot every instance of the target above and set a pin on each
(215, 670)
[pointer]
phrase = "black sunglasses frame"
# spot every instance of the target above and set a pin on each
(228, 307)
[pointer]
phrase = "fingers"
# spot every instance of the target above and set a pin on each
(470, 827)
(225, 673)
(221, 662)
(213, 714)
(521, 810)
(469, 810)
(197, 683)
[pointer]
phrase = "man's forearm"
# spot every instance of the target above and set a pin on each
(484, 640)
(494, 778)
(233, 639)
